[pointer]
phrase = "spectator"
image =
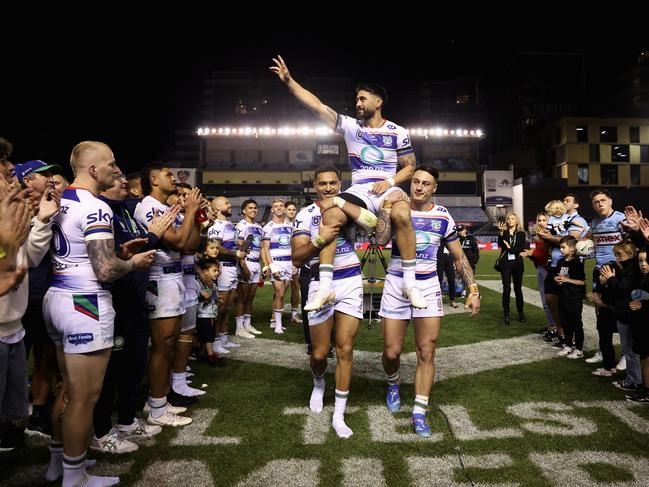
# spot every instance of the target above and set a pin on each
(511, 240)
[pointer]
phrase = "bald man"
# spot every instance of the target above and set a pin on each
(78, 308)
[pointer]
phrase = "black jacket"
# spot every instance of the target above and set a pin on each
(471, 249)
(517, 243)
(627, 278)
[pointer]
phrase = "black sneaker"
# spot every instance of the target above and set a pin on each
(639, 397)
(550, 337)
(176, 399)
(11, 437)
(559, 342)
(626, 385)
(309, 349)
(39, 425)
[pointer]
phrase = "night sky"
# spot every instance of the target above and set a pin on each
(132, 93)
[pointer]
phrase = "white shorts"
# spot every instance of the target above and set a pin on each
(349, 299)
(80, 323)
(255, 273)
(228, 278)
(165, 298)
(372, 201)
(395, 306)
(286, 270)
(189, 318)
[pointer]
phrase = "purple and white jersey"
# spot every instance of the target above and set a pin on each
(373, 152)
(243, 230)
(432, 228)
(346, 263)
(81, 218)
(279, 235)
(224, 231)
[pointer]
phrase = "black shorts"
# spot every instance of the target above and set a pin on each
(550, 286)
(640, 334)
(34, 324)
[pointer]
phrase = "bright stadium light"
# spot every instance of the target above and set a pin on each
(322, 131)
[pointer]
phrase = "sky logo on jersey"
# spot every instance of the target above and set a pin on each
(99, 216)
(80, 338)
(372, 155)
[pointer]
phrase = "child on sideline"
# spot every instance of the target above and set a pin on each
(571, 280)
(208, 308)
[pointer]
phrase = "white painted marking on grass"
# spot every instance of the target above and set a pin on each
(287, 473)
(35, 474)
(385, 427)
(621, 410)
(176, 472)
(362, 472)
(317, 425)
(195, 433)
(440, 471)
(573, 425)
(465, 429)
(566, 468)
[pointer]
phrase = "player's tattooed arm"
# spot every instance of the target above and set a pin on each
(465, 271)
(106, 265)
(407, 163)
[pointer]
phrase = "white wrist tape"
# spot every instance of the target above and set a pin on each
(390, 181)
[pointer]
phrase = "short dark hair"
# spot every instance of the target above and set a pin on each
(205, 263)
(603, 191)
(290, 203)
(326, 168)
(5, 148)
(375, 89)
(133, 175)
(430, 170)
(145, 177)
(568, 239)
(573, 196)
(246, 203)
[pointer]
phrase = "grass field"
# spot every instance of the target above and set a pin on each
(542, 423)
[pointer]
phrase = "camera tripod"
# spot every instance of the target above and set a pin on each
(372, 252)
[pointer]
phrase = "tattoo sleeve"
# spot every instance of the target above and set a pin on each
(106, 265)
(408, 160)
(465, 271)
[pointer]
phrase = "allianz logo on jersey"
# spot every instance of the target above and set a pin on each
(100, 216)
(80, 338)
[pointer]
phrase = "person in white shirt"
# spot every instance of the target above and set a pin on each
(291, 213)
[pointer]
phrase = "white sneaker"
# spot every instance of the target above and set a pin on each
(170, 408)
(575, 354)
(320, 299)
(279, 330)
(229, 344)
(416, 299)
(141, 430)
(621, 365)
(243, 333)
(297, 319)
(219, 348)
(595, 358)
(565, 351)
(272, 323)
(253, 330)
(112, 442)
(169, 419)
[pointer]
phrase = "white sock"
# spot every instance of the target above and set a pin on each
(247, 319)
(408, 268)
(239, 320)
(317, 395)
(326, 276)
(223, 338)
(338, 422)
(55, 468)
(421, 403)
(278, 318)
(74, 473)
(180, 385)
(158, 406)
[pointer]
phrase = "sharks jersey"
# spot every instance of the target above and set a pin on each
(346, 263)
(373, 152)
(81, 219)
(606, 233)
(432, 228)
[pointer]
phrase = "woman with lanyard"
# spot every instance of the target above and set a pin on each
(511, 240)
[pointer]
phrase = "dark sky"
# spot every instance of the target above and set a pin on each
(133, 92)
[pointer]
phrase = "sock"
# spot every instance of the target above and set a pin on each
(408, 268)
(180, 386)
(158, 406)
(247, 320)
(278, 318)
(317, 395)
(338, 422)
(393, 379)
(326, 276)
(293, 312)
(239, 321)
(223, 338)
(421, 403)
(55, 468)
(74, 470)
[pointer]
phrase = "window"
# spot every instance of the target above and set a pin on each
(582, 133)
(620, 153)
(593, 149)
(582, 174)
(644, 153)
(608, 134)
(634, 135)
(608, 174)
(635, 175)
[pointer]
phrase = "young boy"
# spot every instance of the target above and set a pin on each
(208, 307)
(571, 281)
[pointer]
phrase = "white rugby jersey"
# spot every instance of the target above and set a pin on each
(432, 228)
(167, 262)
(346, 263)
(81, 219)
(373, 152)
(244, 229)
(224, 231)
(279, 235)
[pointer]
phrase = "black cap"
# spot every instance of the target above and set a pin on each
(460, 228)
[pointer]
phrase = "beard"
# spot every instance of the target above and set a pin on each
(365, 114)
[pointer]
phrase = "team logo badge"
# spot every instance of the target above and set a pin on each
(387, 140)
(359, 134)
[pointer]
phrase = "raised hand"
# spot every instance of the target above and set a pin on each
(49, 204)
(161, 222)
(280, 69)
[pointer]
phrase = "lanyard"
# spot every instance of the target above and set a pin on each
(130, 223)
